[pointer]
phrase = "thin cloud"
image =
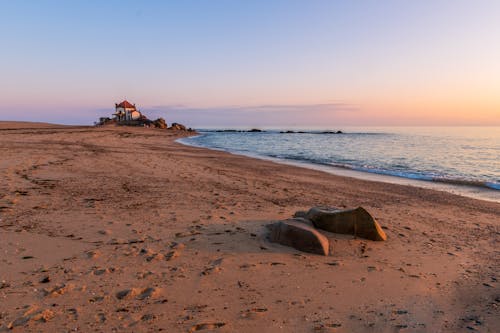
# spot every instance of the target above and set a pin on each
(258, 115)
(337, 107)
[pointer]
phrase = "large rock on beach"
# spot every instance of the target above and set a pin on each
(356, 222)
(299, 235)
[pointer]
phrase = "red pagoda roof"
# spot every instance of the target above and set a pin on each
(126, 104)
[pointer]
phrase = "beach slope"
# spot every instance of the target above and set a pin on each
(123, 229)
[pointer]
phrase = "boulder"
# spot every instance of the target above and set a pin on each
(160, 123)
(357, 222)
(300, 236)
(178, 127)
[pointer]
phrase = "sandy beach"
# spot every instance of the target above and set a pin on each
(120, 229)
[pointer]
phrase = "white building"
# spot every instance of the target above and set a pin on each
(126, 111)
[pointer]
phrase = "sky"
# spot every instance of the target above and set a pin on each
(216, 63)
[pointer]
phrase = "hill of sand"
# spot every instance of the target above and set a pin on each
(124, 230)
(12, 125)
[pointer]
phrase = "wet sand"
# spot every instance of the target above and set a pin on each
(123, 229)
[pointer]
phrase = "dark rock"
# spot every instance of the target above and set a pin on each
(356, 222)
(300, 236)
(300, 213)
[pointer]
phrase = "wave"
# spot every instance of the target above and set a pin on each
(415, 175)
(424, 177)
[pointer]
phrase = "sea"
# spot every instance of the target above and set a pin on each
(461, 160)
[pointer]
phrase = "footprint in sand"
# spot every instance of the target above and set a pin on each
(58, 290)
(32, 314)
(151, 255)
(101, 271)
(138, 293)
(213, 267)
(94, 254)
(254, 313)
(206, 326)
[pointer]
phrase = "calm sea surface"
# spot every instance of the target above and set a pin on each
(460, 156)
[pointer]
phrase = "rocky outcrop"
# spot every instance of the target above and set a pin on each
(300, 236)
(178, 127)
(357, 222)
(160, 123)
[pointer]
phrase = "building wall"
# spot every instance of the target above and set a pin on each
(135, 115)
(120, 109)
(128, 113)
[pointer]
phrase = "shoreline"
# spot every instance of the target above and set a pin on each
(469, 191)
(124, 229)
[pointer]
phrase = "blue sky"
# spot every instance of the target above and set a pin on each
(222, 62)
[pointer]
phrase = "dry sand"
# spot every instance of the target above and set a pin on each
(122, 229)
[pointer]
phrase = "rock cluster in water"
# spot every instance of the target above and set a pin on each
(257, 130)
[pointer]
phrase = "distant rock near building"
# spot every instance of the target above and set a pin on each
(178, 127)
(160, 123)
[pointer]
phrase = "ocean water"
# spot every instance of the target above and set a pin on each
(456, 157)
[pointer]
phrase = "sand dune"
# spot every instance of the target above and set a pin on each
(122, 229)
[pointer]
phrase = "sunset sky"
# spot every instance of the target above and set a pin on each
(253, 63)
